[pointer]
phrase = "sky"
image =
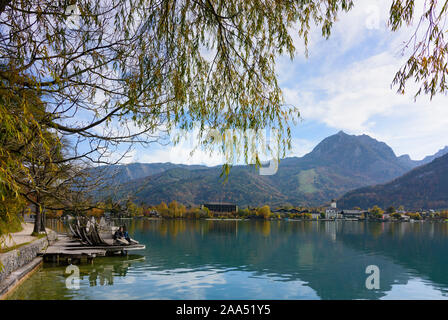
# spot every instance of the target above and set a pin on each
(344, 84)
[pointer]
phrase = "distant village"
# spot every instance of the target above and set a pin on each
(221, 210)
(332, 212)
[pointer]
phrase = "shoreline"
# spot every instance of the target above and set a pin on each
(285, 220)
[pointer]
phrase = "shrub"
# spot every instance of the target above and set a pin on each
(307, 216)
(396, 215)
(264, 212)
(415, 216)
(376, 212)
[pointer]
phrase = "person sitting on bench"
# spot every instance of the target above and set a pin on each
(121, 234)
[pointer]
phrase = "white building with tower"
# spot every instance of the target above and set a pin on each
(332, 212)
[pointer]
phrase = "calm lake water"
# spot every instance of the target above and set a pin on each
(261, 260)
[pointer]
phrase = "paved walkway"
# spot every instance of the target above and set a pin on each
(17, 238)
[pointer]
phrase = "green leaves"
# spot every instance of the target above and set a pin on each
(167, 64)
(427, 64)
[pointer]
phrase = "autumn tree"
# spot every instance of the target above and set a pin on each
(112, 206)
(162, 206)
(37, 165)
(376, 212)
(427, 62)
(30, 158)
(396, 215)
(45, 175)
(390, 209)
(133, 209)
(133, 71)
(174, 209)
(19, 127)
(95, 212)
(264, 212)
(10, 209)
(50, 180)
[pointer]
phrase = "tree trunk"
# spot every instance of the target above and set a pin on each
(42, 222)
(39, 220)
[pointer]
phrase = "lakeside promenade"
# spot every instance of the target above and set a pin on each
(18, 238)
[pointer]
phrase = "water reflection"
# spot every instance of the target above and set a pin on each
(50, 282)
(262, 260)
(103, 273)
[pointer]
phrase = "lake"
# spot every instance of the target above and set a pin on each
(261, 260)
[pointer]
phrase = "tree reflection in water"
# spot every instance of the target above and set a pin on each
(260, 260)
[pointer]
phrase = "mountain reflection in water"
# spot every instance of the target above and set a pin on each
(261, 260)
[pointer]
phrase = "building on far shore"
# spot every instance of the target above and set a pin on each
(220, 207)
(332, 212)
(353, 214)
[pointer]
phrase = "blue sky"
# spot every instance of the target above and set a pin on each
(345, 84)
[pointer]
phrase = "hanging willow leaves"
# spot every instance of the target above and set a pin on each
(427, 64)
(130, 71)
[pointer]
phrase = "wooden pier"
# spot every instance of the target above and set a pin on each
(67, 250)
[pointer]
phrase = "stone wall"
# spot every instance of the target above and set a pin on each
(14, 259)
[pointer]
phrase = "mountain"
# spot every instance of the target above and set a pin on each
(439, 154)
(422, 188)
(244, 187)
(358, 155)
(338, 164)
(405, 159)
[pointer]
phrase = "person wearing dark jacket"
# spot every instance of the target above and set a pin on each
(121, 234)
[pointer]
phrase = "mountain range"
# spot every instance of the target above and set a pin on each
(415, 163)
(421, 188)
(337, 165)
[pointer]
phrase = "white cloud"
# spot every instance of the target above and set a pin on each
(348, 99)
(356, 95)
(346, 86)
(360, 100)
